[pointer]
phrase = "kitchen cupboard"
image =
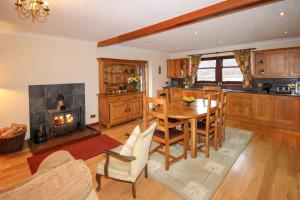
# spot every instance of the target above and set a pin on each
(262, 107)
(197, 94)
(277, 63)
(269, 110)
(178, 68)
(175, 94)
(293, 61)
(239, 105)
(287, 111)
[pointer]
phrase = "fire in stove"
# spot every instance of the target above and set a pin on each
(69, 118)
(59, 120)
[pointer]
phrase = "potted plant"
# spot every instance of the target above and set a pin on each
(134, 81)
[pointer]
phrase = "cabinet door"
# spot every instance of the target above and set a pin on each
(262, 107)
(287, 111)
(293, 62)
(275, 63)
(170, 68)
(175, 94)
(135, 108)
(239, 105)
(191, 93)
(117, 111)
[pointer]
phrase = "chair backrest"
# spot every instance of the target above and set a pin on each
(162, 94)
(156, 109)
(222, 107)
(209, 90)
(210, 109)
(141, 150)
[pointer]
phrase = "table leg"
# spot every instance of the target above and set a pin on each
(193, 123)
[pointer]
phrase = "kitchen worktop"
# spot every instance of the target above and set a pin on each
(239, 90)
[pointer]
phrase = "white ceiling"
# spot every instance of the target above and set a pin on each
(96, 20)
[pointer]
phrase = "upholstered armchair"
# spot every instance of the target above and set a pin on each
(127, 161)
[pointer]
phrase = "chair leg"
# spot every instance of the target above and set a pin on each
(146, 171)
(207, 145)
(98, 179)
(185, 140)
(133, 190)
(167, 156)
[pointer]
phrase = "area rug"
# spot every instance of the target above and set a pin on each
(84, 150)
(199, 178)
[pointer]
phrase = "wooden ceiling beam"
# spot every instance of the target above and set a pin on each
(215, 10)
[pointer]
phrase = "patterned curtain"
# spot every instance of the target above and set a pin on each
(243, 60)
(194, 68)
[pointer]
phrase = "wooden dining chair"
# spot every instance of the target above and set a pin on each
(162, 93)
(210, 90)
(166, 133)
(222, 117)
(208, 128)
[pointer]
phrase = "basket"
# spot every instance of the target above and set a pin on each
(13, 143)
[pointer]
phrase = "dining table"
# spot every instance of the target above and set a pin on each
(192, 112)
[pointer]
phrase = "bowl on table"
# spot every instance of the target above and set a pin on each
(188, 100)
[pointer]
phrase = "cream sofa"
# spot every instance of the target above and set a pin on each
(59, 177)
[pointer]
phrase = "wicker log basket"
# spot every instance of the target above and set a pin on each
(13, 143)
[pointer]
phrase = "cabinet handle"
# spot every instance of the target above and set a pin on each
(129, 109)
(286, 73)
(292, 73)
(125, 109)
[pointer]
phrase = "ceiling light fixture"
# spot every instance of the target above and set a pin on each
(38, 10)
(285, 32)
(281, 13)
(196, 32)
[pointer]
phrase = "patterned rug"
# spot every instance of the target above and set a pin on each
(199, 178)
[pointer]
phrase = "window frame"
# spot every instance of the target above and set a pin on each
(218, 70)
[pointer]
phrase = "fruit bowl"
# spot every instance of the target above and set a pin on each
(188, 100)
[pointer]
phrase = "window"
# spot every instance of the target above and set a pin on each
(220, 69)
(206, 71)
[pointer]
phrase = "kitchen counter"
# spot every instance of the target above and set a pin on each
(240, 90)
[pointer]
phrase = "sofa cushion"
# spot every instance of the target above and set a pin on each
(71, 180)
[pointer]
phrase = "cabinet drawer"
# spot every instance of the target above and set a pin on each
(117, 98)
(135, 96)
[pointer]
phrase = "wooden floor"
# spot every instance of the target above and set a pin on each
(269, 168)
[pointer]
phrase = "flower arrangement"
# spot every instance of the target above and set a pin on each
(134, 80)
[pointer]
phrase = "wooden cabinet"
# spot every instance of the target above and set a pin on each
(287, 111)
(192, 93)
(277, 63)
(178, 68)
(135, 108)
(270, 110)
(126, 105)
(293, 62)
(175, 94)
(239, 105)
(116, 109)
(118, 112)
(262, 107)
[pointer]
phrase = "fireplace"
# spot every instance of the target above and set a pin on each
(59, 109)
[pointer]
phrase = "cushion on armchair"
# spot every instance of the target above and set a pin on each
(127, 148)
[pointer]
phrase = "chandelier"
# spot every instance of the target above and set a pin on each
(38, 10)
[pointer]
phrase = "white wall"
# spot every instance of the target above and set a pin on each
(29, 60)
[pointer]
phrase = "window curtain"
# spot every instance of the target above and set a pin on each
(195, 59)
(243, 60)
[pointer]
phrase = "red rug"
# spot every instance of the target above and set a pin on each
(80, 150)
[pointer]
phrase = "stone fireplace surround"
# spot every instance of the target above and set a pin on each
(43, 98)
